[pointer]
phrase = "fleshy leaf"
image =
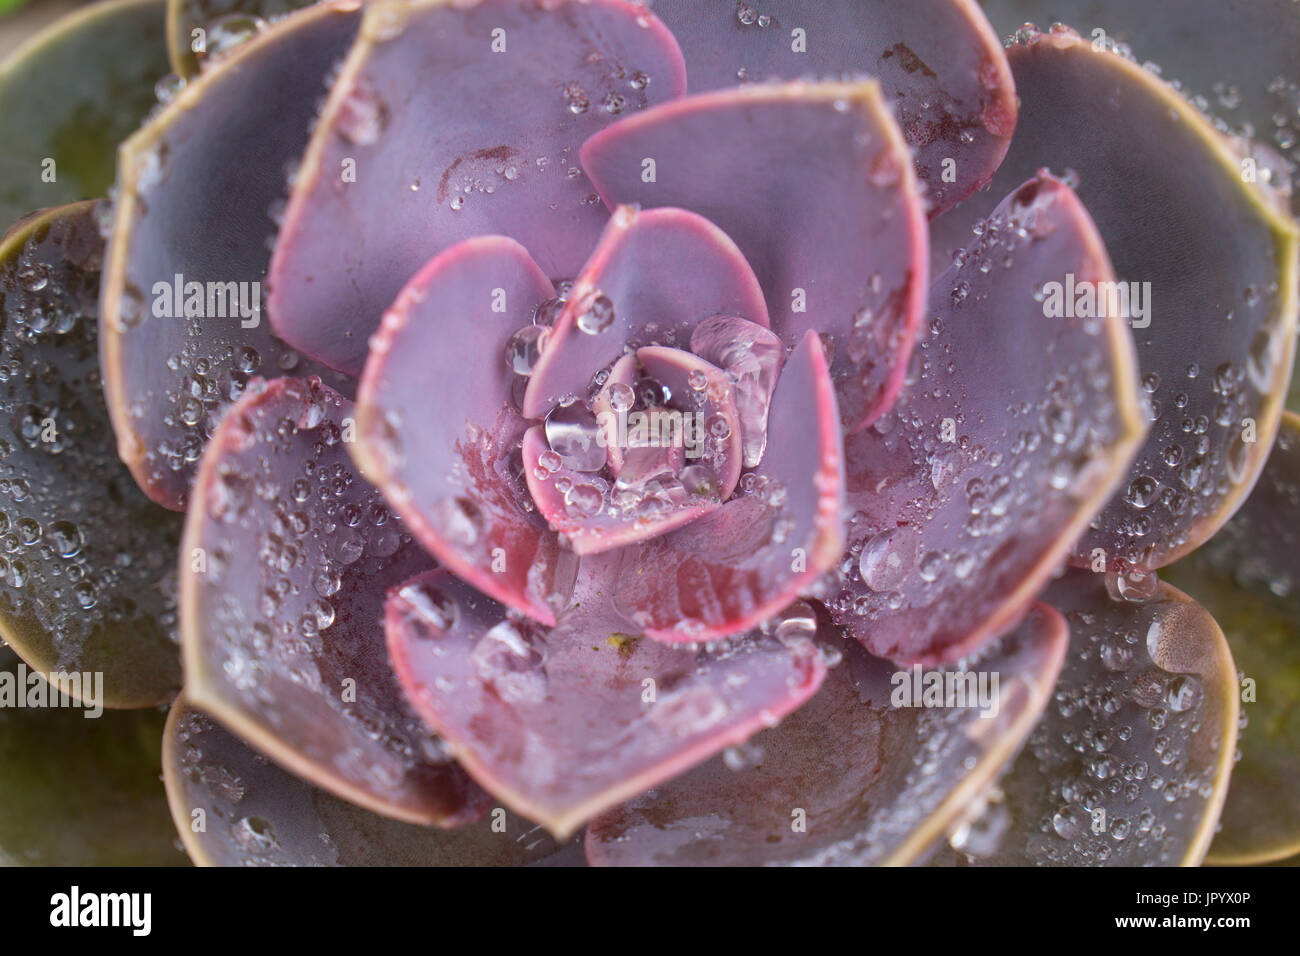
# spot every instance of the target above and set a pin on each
(286, 556)
(973, 489)
(448, 121)
(70, 511)
(815, 184)
(79, 790)
(650, 281)
(450, 468)
(1250, 83)
(189, 235)
(730, 570)
(1130, 764)
(224, 25)
(69, 95)
(255, 814)
(1246, 577)
(563, 723)
(876, 782)
(939, 61)
(1215, 309)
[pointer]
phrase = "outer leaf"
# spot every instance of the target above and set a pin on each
(969, 494)
(87, 582)
(459, 120)
(870, 782)
(187, 209)
(1130, 765)
(69, 95)
(255, 814)
(1222, 301)
(1246, 576)
(286, 557)
(839, 243)
(1250, 81)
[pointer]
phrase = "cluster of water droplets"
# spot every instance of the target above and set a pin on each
(1126, 758)
(81, 550)
(297, 545)
(977, 474)
(642, 484)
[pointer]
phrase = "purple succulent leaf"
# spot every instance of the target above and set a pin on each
(973, 489)
(69, 95)
(286, 557)
(731, 570)
(877, 783)
(256, 814)
(563, 723)
(449, 469)
(652, 278)
(839, 246)
(1246, 577)
(938, 61)
(1130, 764)
(1214, 320)
(67, 601)
(1250, 84)
(170, 376)
(459, 120)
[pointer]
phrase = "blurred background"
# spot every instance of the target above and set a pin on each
(19, 19)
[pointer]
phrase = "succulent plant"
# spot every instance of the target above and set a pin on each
(698, 432)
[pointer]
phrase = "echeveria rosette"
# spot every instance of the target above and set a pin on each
(427, 569)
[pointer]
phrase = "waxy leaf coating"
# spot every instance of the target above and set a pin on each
(1212, 307)
(659, 273)
(732, 569)
(1130, 764)
(69, 95)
